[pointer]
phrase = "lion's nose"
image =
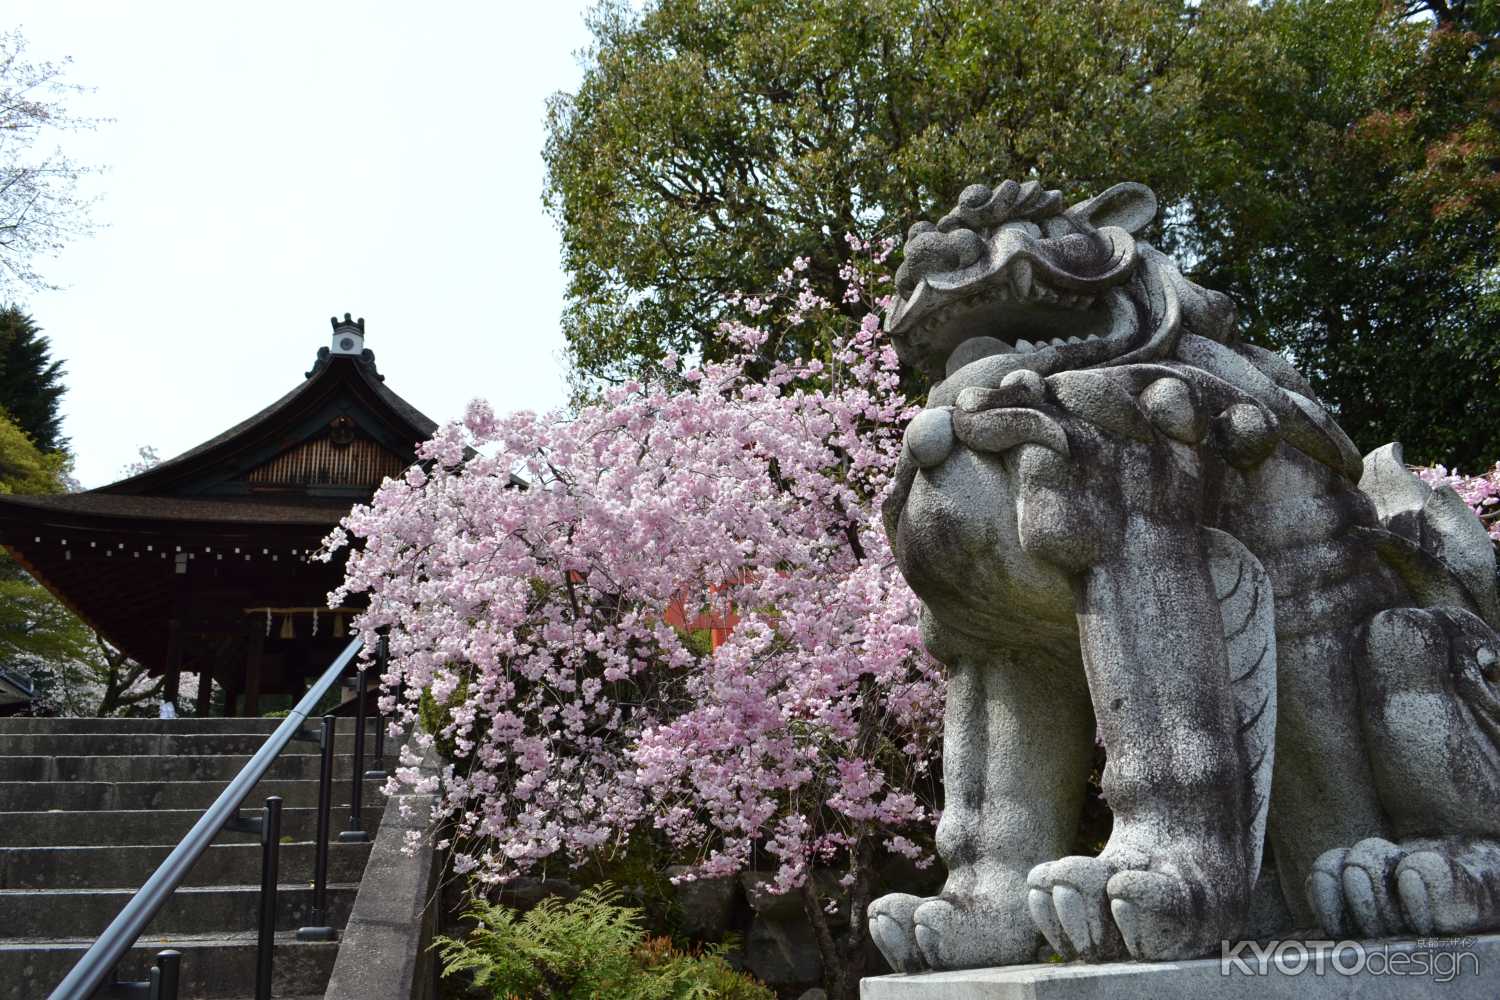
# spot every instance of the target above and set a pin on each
(933, 252)
(929, 437)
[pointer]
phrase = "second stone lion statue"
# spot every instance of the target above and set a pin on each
(1122, 521)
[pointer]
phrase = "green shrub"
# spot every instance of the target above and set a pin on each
(592, 948)
(638, 871)
(433, 717)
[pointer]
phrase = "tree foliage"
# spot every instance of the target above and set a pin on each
(1358, 219)
(35, 630)
(25, 468)
(1333, 166)
(39, 204)
(75, 671)
(89, 677)
(31, 381)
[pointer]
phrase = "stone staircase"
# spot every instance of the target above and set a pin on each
(90, 807)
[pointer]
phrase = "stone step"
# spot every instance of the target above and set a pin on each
(212, 965)
(210, 724)
(171, 767)
(62, 913)
(153, 826)
(226, 862)
(164, 743)
(93, 796)
(12, 725)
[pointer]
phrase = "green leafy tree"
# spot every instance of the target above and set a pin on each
(87, 676)
(75, 671)
(1331, 165)
(1354, 213)
(35, 630)
(25, 468)
(712, 141)
(37, 634)
(31, 380)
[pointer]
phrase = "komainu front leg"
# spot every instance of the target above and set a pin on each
(1179, 646)
(1431, 703)
(1018, 741)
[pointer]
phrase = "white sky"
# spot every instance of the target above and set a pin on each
(270, 165)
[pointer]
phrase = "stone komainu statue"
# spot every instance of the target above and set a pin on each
(1123, 521)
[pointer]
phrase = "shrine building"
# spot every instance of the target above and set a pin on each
(201, 563)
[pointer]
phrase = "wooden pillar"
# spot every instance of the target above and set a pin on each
(252, 668)
(205, 703)
(174, 662)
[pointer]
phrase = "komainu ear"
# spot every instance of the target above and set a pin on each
(1129, 205)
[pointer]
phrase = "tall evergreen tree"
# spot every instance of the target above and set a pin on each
(31, 381)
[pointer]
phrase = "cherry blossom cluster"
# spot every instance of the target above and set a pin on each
(524, 572)
(1481, 493)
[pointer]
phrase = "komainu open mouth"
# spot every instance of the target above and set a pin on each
(1012, 273)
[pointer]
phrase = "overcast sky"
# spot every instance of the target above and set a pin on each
(270, 165)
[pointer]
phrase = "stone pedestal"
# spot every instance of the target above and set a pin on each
(1412, 969)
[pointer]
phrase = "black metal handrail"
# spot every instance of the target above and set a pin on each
(97, 965)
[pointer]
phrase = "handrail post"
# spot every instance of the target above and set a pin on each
(166, 976)
(270, 857)
(356, 833)
(382, 660)
(321, 928)
(97, 966)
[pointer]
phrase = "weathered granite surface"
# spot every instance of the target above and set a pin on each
(1124, 521)
(385, 949)
(1397, 970)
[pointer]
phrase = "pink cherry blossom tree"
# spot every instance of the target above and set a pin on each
(1481, 492)
(525, 571)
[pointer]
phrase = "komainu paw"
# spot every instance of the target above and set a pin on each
(1424, 887)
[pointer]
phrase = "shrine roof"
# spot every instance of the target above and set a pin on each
(337, 385)
(79, 508)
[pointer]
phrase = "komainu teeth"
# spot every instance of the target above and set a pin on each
(1058, 342)
(1075, 340)
(1024, 347)
(1020, 277)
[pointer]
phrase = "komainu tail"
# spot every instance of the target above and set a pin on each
(1439, 546)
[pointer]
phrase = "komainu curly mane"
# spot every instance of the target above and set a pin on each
(1120, 518)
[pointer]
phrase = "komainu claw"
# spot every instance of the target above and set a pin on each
(1070, 906)
(1325, 892)
(891, 930)
(1155, 914)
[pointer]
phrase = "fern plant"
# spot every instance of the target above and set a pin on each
(592, 948)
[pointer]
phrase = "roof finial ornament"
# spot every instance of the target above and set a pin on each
(348, 334)
(348, 342)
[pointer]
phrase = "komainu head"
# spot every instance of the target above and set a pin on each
(1016, 279)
